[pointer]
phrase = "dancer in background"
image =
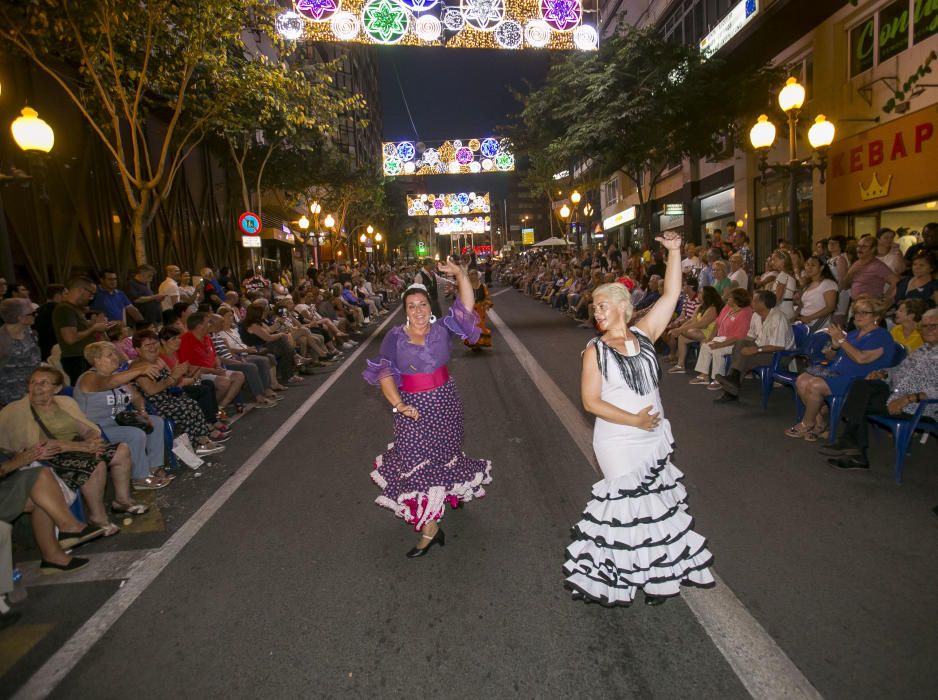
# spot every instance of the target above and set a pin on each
(483, 302)
(425, 469)
(635, 533)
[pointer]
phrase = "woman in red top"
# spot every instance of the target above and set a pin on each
(732, 325)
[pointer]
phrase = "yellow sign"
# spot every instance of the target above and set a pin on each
(623, 217)
(886, 165)
(527, 236)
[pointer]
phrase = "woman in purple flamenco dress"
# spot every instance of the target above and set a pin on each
(425, 469)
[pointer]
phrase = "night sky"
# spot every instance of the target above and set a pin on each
(454, 93)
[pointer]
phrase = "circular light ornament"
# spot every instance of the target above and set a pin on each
(791, 96)
(453, 19)
(464, 210)
(453, 167)
(762, 135)
(490, 148)
(32, 133)
(483, 14)
(384, 21)
(419, 6)
(389, 150)
(537, 33)
(487, 164)
(464, 156)
(504, 161)
(821, 135)
(486, 208)
(406, 150)
(431, 156)
(454, 208)
(509, 34)
(290, 25)
(562, 15)
(423, 198)
(317, 10)
(345, 26)
(585, 38)
(474, 145)
(438, 204)
(392, 166)
(409, 168)
(474, 166)
(457, 143)
(428, 28)
(462, 198)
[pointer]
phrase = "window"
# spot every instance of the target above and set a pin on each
(861, 47)
(925, 20)
(610, 192)
(891, 31)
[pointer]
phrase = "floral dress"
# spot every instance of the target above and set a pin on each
(172, 404)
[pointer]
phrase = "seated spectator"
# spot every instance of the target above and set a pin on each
(851, 355)
(45, 333)
(819, 297)
(187, 293)
(72, 446)
(311, 340)
(369, 314)
(769, 333)
(689, 304)
(170, 401)
(922, 284)
(230, 336)
(906, 331)
(738, 276)
(894, 392)
(203, 393)
(721, 280)
(196, 348)
(36, 491)
(255, 332)
(255, 368)
(19, 352)
(106, 396)
(233, 302)
(731, 325)
(652, 294)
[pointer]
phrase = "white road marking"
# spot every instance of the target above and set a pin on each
(758, 661)
(106, 566)
(57, 667)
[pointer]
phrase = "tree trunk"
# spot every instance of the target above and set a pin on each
(138, 230)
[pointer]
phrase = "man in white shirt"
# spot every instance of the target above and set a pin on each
(691, 264)
(769, 332)
(169, 287)
(738, 275)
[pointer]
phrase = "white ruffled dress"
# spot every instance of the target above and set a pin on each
(635, 532)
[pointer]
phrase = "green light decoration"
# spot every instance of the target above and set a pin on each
(385, 21)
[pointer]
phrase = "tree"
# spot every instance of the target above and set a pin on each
(141, 58)
(639, 105)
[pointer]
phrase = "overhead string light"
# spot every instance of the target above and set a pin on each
(494, 24)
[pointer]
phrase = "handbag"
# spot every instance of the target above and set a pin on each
(131, 419)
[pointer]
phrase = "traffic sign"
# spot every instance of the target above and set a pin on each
(249, 223)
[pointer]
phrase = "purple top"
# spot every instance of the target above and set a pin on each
(400, 356)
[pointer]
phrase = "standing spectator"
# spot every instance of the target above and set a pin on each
(691, 264)
(741, 241)
(19, 352)
(197, 349)
(786, 285)
(169, 288)
(43, 323)
(186, 290)
(18, 291)
(706, 272)
(112, 302)
(773, 333)
(212, 292)
(73, 332)
(140, 293)
(226, 280)
(929, 242)
(888, 251)
(427, 277)
(906, 239)
(869, 276)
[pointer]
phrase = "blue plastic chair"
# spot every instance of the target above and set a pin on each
(835, 402)
(810, 348)
(903, 427)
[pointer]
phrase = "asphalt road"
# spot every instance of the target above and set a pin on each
(297, 586)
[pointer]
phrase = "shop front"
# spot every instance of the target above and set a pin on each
(716, 209)
(886, 176)
(622, 229)
(277, 251)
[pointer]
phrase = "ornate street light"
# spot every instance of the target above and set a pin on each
(328, 222)
(762, 136)
(564, 211)
(303, 223)
(31, 133)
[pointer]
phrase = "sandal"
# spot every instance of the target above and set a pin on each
(677, 369)
(162, 474)
(700, 380)
(799, 430)
(133, 509)
(107, 529)
(151, 483)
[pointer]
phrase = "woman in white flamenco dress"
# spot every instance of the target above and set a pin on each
(635, 533)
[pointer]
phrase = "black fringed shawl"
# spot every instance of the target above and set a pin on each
(641, 372)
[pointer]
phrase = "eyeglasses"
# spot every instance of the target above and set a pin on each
(929, 326)
(150, 346)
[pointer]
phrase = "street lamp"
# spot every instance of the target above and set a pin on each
(820, 136)
(31, 133)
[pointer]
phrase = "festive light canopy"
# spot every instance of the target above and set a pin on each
(454, 157)
(449, 204)
(491, 24)
(457, 225)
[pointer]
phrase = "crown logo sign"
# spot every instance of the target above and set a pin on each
(876, 189)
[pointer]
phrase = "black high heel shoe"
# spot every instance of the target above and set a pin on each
(439, 537)
(653, 600)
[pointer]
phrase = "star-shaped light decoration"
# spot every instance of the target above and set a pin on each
(317, 10)
(419, 6)
(562, 15)
(385, 21)
(483, 14)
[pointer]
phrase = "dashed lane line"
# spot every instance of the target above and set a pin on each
(761, 665)
(59, 665)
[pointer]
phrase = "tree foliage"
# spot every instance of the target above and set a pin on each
(639, 105)
(181, 61)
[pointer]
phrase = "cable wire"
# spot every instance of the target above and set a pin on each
(404, 98)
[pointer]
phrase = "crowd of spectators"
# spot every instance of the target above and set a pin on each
(866, 307)
(100, 383)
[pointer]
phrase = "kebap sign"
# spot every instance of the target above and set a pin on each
(889, 164)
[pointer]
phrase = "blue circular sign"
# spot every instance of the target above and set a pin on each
(249, 223)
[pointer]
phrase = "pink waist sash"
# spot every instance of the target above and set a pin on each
(416, 383)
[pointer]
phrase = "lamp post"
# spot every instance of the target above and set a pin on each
(575, 198)
(303, 223)
(588, 215)
(329, 222)
(315, 208)
(820, 136)
(565, 216)
(378, 238)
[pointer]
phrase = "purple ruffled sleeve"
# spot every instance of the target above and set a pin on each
(386, 363)
(462, 322)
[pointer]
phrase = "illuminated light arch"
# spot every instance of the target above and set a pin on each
(537, 33)
(562, 15)
(452, 157)
(428, 28)
(345, 26)
(484, 15)
(385, 21)
(317, 10)
(509, 34)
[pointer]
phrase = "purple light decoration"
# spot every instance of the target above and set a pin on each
(561, 14)
(464, 156)
(317, 10)
(437, 203)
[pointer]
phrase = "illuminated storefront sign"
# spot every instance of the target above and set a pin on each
(623, 217)
(729, 26)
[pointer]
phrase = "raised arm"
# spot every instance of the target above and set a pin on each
(451, 267)
(654, 323)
